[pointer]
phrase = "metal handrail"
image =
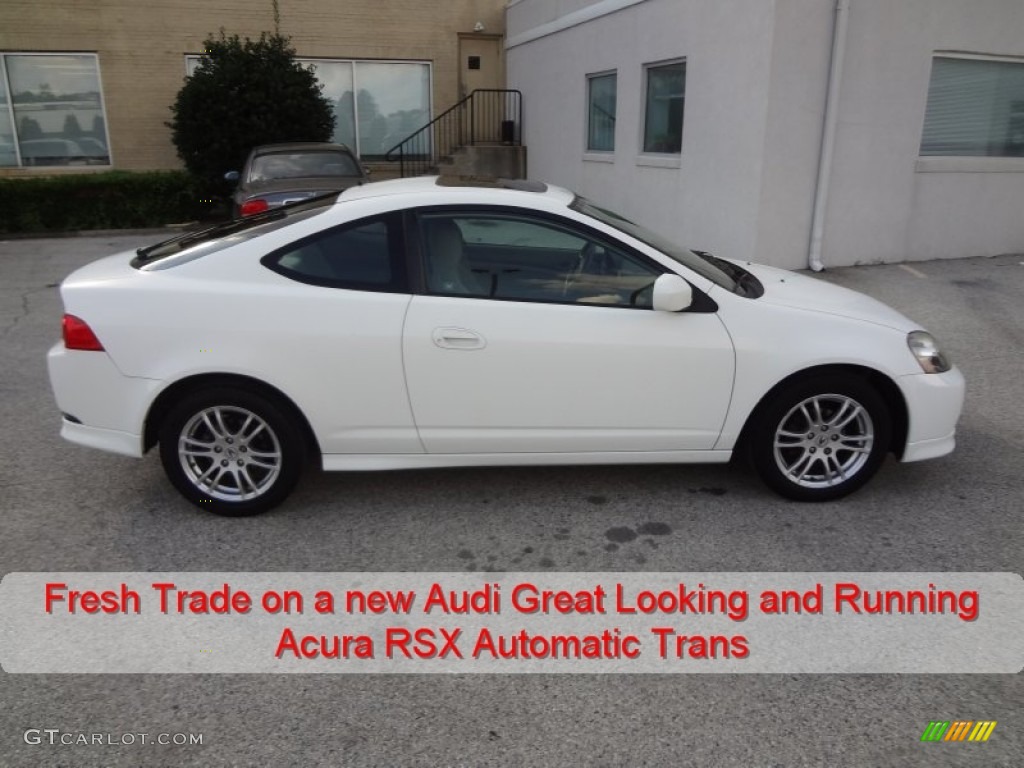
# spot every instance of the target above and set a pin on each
(484, 116)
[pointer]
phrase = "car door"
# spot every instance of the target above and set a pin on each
(537, 336)
(339, 356)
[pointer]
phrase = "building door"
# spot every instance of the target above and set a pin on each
(481, 65)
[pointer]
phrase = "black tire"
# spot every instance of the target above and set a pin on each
(820, 438)
(231, 451)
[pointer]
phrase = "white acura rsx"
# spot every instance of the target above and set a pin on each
(431, 323)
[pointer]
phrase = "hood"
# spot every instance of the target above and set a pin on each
(791, 289)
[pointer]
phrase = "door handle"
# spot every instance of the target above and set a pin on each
(458, 338)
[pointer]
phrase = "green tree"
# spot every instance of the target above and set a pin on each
(246, 93)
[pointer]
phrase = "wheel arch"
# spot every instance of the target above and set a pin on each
(882, 384)
(165, 401)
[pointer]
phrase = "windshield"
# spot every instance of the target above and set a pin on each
(704, 264)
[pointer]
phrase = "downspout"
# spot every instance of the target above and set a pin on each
(828, 137)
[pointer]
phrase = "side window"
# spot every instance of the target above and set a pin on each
(517, 257)
(365, 255)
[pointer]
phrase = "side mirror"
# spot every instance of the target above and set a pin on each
(231, 176)
(672, 294)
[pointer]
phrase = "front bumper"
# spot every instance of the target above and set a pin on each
(102, 407)
(934, 402)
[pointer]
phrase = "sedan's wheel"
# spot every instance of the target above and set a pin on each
(821, 438)
(230, 451)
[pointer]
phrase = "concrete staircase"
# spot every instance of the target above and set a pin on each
(485, 160)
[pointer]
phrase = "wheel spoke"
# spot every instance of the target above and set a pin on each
(817, 412)
(265, 454)
(833, 467)
(790, 435)
(855, 444)
(219, 414)
(834, 421)
(214, 484)
(798, 468)
(856, 412)
(253, 434)
(807, 414)
(262, 464)
(248, 420)
(244, 478)
(195, 447)
(209, 425)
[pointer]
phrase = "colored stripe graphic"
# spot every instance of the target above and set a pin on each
(982, 731)
(958, 730)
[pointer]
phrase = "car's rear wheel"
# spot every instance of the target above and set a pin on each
(231, 451)
(820, 438)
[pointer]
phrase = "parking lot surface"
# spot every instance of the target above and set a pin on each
(68, 508)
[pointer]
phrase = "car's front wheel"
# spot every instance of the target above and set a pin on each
(231, 451)
(820, 438)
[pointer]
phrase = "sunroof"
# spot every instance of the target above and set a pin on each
(492, 182)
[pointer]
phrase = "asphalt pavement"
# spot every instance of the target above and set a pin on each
(68, 508)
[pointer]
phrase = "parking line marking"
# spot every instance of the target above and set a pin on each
(911, 270)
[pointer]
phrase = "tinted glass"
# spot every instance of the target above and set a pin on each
(601, 117)
(510, 256)
(362, 256)
(663, 116)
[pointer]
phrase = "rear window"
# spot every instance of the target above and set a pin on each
(302, 165)
(193, 245)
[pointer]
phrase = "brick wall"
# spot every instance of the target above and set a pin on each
(142, 44)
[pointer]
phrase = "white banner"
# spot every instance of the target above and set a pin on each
(512, 622)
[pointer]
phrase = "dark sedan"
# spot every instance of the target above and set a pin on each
(277, 174)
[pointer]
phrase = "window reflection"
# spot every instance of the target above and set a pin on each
(57, 109)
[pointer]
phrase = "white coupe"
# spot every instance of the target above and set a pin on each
(431, 323)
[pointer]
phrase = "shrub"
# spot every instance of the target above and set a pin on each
(245, 93)
(113, 200)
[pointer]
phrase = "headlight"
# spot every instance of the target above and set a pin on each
(927, 352)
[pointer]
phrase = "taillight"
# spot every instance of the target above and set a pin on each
(257, 205)
(78, 335)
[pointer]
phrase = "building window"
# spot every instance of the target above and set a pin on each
(601, 113)
(663, 110)
(51, 110)
(975, 108)
(376, 103)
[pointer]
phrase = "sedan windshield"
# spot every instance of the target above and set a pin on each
(704, 264)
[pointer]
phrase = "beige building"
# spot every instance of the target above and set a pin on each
(89, 85)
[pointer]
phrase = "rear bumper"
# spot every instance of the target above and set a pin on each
(102, 407)
(109, 440)
(934, 402)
